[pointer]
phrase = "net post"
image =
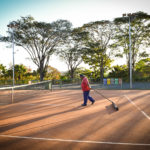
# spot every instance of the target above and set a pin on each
(50, 85)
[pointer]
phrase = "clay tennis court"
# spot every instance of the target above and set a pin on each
(56, 121)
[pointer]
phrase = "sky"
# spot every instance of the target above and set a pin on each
(78, 12)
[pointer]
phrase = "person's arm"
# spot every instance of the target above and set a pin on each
(89, 85)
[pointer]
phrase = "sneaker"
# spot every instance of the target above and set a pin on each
(83, 105)
(93, 102)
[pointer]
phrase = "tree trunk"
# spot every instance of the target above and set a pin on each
(42, 73)
(72, 73)
(41, 76)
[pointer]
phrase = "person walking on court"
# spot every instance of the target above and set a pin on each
(86, 90)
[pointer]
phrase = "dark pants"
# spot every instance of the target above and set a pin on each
(86, 95)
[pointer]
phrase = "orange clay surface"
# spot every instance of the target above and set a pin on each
(56, 121)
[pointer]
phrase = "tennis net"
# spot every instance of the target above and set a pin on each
(23, 92)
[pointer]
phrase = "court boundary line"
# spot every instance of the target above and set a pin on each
(146, 115)
(34, 104)
(75, 141)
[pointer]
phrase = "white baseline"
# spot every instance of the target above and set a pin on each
(75, 141)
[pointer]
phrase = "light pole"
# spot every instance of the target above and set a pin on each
(12, 26)
(130, 17)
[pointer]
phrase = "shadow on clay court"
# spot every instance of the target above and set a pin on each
(11, 126)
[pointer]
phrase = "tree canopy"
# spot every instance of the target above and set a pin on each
(39, 39)
(140, 32)
(99, 35)
(96, 43)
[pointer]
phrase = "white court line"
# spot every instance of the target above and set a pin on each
(75, 141)
(35, 104)
(148, 117)
(42, 104)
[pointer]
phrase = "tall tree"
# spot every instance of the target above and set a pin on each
(71, 50)
(99, 38)
(39, 39)
(140, 31)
